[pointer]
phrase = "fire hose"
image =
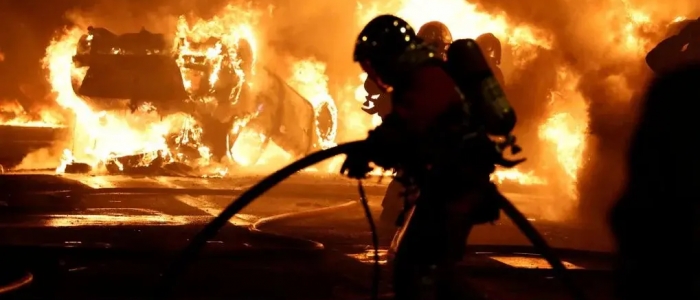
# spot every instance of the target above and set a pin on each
(376, 275)
(189, 254)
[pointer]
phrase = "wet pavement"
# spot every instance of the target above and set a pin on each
(348, 227)
(308, 206)
(296, 195)
(301, 193)
(133, 237)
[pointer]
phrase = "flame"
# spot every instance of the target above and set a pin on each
(465, 21)
(66, 159)
(102, 135)
(227, 31)
(12, 113)
(99, 135)
(563, 130)
(516, 176)
(310, 80)
(220, 51)
(236, 24)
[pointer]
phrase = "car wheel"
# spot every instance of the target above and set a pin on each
(246, 147)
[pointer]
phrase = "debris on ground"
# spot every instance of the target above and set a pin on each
(78, 168)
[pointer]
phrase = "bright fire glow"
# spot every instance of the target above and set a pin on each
(465, 21)
(564, 129)
(311, 82)
(13, 114)
(100, 135)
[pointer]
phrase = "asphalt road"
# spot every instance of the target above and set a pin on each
(17, 141)
(308, 206)
(297, 194)
(303, 192)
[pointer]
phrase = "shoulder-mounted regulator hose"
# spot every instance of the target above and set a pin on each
(179, 266)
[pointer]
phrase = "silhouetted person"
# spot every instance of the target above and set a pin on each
(677, 50)
(491, 46)
(656, 221)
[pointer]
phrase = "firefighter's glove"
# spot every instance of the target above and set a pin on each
(389, 145)
(357, 164)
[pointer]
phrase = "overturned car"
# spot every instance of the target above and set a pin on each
(205, 79)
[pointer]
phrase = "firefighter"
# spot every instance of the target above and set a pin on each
(437, 35)
(659, 186)
(437, 147)
(491, 46)
(379, 103)
(677, 50)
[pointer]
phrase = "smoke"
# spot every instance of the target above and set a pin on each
(127, 16)
(528, 95)
(592, 38)
(19, 56)
(43, 159)
(323, 31)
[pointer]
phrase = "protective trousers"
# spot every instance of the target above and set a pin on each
(393, 203)
(431, 242)
(425, 260)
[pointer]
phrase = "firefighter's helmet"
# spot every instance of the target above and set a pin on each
(491, 46)
(386, 36)
(381, 45)
(437, 35)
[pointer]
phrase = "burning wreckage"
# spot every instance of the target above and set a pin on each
(203, 79)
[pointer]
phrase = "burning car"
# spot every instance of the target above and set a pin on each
(133, 67)
(206, 79)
